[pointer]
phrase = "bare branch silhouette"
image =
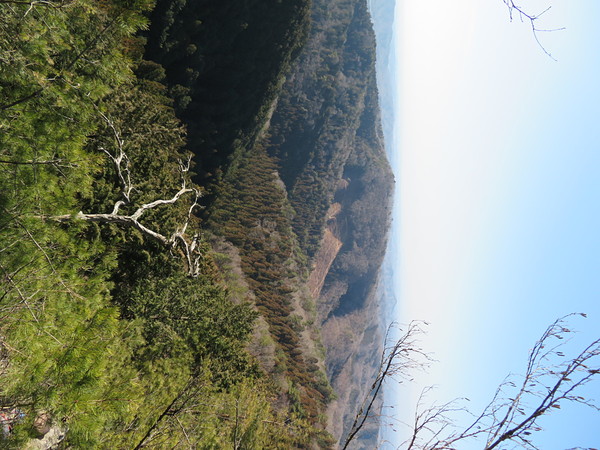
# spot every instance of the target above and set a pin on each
(399, 359)
(516, 11)
(511, 417)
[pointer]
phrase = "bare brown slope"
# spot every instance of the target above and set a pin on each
(329, 249)
(354, 346)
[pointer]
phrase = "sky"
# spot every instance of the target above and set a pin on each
(497, 218)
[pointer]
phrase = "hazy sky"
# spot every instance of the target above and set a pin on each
(498, 177)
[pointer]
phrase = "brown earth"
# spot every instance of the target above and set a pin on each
(354, 346)
(330, 247)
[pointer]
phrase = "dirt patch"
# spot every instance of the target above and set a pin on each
(330, 247)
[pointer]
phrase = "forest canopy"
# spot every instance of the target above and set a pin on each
(160, 219)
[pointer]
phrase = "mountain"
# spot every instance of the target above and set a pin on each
(325, 143)
(195, 202)
(383, 13)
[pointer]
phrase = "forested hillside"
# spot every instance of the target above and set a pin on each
(225, 62)
(169, 176)
(326, 135)
(106, 339)
(383, 12)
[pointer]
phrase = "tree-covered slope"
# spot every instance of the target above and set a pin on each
(142, 310)
(324, 169)
(105, 338)
(326, 135)
(225, 62)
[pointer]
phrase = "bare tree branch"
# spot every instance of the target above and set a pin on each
(178, 398)
(31, 3)
(56, 162)
(51, 4)
(516, 11)
(511, 417)
(399, 359)
(178, 240)
(513, 413)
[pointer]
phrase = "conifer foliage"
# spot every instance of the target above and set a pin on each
(252, 211)
(103, 335)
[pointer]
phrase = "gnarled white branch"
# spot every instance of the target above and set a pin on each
(177, 240)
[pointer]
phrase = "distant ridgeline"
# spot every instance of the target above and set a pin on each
(145, 306)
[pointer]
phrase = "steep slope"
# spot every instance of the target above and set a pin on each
(326, 135)
(252, 212)
(225, 62)
(299, 182)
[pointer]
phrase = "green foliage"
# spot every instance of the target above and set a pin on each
(192, 315)
(55, 54)
(100, 329)
(252, 212)
(200, 416)
(224, 63)
(63, 340)
(61, 336)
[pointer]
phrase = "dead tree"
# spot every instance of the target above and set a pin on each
(400, 358)
(512, 416)
(178, 241)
